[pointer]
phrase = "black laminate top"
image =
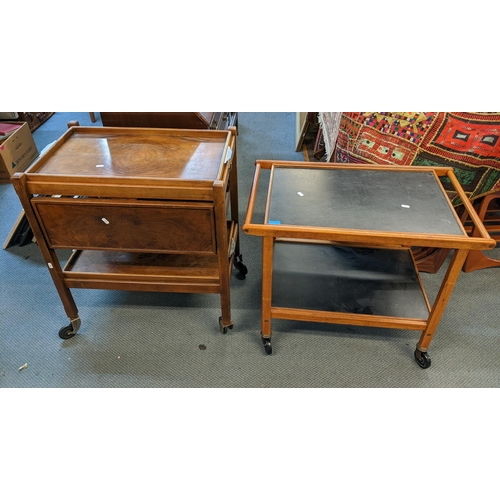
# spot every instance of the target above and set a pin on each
(381, 200)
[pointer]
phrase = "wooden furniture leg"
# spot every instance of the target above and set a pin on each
(439, 306)
(51, 258)
(267, 290)
(92, 117)
(223, 257)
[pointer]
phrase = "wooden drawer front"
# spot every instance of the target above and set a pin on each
(111, 226)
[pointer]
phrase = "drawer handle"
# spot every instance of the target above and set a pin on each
(106, 221)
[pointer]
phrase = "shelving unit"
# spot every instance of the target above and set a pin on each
(142, 209)
(337, 245)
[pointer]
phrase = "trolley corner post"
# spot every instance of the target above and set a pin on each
(50, 257)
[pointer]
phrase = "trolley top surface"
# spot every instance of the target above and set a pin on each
(136, 152)
(395, 201)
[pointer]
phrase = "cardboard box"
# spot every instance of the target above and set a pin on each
(17, 152)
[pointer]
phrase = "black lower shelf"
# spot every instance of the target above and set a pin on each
(348, 280)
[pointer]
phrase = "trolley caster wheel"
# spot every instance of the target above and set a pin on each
(67, 332)
(422, 358)
(223, 329)
(243, 271)
(268, 348)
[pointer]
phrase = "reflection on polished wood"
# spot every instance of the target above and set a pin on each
(142, 153)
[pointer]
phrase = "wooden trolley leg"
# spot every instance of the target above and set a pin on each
(50, 258)
(267, 290)
(439, 306)
(223, 257)
(225, 304)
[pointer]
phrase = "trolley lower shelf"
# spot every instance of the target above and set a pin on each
(339, 279)
(361, 286)
(135, 271)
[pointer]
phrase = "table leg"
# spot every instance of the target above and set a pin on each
(51, 260)
(223, 257)
(439, 306)
(267, 290)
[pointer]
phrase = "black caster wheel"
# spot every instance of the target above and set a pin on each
(422, 358)
(67, 332)
(223, 329)
(243, 271)
(268, 348)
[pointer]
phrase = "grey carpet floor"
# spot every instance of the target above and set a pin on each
(131, 339)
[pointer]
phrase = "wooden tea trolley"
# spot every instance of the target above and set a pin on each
(142, 209)
(337, 239)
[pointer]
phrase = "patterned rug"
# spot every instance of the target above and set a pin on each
(467, 142)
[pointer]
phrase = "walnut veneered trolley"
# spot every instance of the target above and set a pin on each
(337, 240)
(142, 209)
